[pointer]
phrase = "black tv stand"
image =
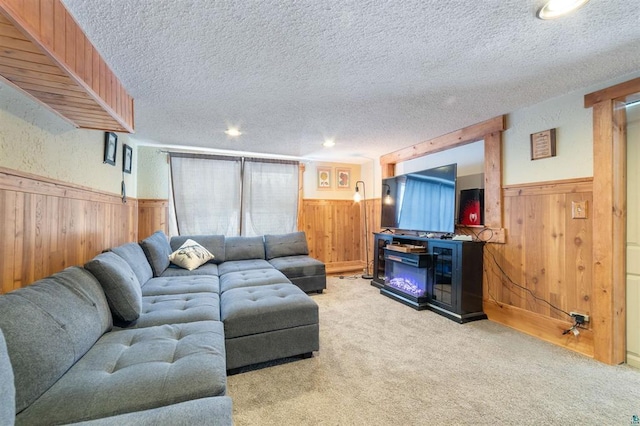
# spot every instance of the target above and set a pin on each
(455, 288)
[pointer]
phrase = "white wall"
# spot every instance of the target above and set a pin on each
(153, 173)
(574, 136)
(574, 141)
(310, 181)
(633, 236)
(470, 160)
(35, 140)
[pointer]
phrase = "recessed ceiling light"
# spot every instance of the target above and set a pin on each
(233, 131)
(328, 143)
(556, 8)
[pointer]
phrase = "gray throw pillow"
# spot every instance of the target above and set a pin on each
(120, 285)
(157, 249)
(7, 386)
(292, 244)
(132, 253)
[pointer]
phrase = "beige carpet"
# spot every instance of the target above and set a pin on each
(382, 363)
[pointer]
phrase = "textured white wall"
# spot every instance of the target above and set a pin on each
(35, 140)
(574, 136)
(153, 173)
(574, 141)
(310, 182)
(470, 160)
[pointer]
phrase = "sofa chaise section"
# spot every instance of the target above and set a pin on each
(289, 253)
(133, 370)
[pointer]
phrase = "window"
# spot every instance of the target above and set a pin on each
(233, 195)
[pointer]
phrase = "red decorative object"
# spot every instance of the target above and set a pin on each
(471, 212)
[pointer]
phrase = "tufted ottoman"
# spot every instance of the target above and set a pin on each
(268, 322)
(251, 278)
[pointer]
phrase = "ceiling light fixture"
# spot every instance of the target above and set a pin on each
(233, 131)
(328, 143)
(556, 8)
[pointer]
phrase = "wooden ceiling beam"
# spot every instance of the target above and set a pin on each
(45, 53)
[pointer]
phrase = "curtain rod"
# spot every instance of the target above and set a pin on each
(205, 151)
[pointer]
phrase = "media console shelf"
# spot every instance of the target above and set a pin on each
(449, 272)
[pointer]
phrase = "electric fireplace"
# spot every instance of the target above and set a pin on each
(408, 277)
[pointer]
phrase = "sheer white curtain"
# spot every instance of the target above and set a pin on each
(269, 197)
(206, 194)
(233, 196)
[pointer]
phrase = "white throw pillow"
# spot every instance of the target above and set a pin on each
(190, 255)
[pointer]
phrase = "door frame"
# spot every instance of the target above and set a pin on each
(609, 218)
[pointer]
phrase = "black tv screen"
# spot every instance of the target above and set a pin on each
(423, 201)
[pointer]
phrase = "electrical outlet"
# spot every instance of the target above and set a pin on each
(577, 314)
(578, 209)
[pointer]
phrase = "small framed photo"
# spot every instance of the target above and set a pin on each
(343, 178)
(543, 144)
(127, 157)
(324, 177)
(110, 148)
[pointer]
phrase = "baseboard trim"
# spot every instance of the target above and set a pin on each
(633, 359)
(540, 326)
(340, 267)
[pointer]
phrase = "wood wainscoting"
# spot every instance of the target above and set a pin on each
(334, 229)
(152, 216)
(547, 260)
(47, 225)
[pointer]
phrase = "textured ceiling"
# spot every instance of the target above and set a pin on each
(374, 75)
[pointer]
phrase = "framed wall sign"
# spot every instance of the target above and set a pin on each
(343, 178)
(110, 148)
(127, 158)
(543, 144)
(324, 177)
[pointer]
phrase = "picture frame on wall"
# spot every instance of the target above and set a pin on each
(110, 148)
(543, 144)
(324, 177)
(343, 178)
(127, 158)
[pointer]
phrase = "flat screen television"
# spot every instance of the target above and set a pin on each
(423, 201)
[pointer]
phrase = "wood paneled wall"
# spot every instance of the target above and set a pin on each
(334, 229)
(47, 225)
(550, 255)
(46, 54)
(152, 216)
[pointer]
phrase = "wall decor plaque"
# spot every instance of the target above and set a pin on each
(543, 144)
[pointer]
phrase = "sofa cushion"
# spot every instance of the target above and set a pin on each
(213, 243)
(190, 255)
(180, 285)
(132, 253)
(298, 266)
(157, 249)
(253, 310)
(242, 265)
(243, 248)
(7, 387)
(176, 271)
(214, 411)
(119, 283)
(252, 278)
(141, 369)
(177, 309)
(292, 244)
(50, 325)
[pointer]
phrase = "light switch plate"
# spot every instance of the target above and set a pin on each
(579, 209)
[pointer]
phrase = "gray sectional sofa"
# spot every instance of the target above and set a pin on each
(131, 339)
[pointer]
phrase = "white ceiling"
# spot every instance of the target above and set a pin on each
(374, 75)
